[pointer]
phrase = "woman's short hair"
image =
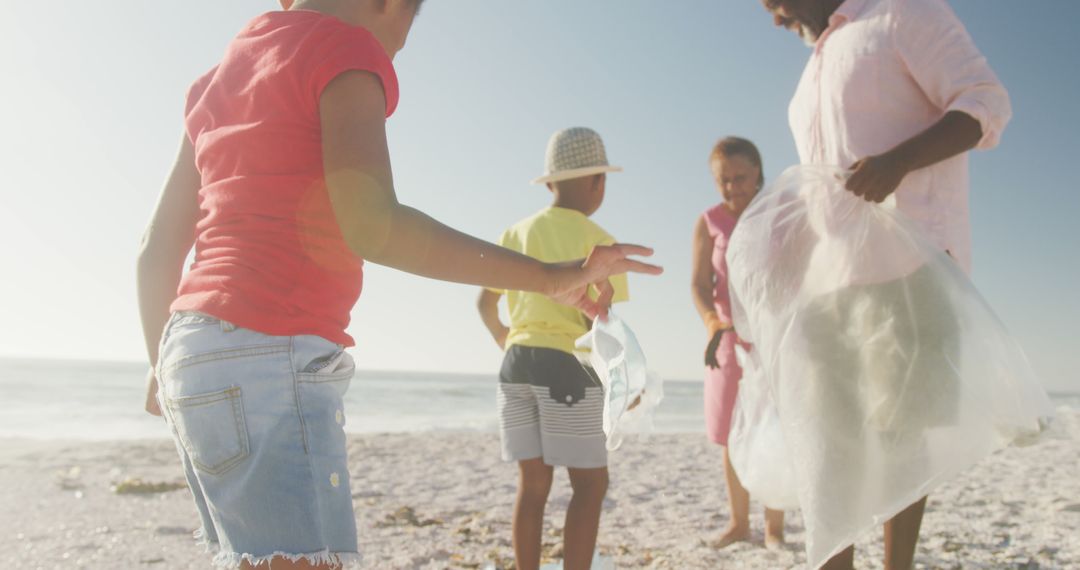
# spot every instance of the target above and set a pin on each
(732, 146)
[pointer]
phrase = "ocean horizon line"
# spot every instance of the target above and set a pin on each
(397, 374)
(56, 398)
(361, 373)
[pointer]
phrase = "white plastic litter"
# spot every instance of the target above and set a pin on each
(756, 442)
(889, 372)
(631, 392)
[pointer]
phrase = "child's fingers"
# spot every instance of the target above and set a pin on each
(603, 256)
(635, 266)
(592, 309)
(603, 262)
(151, 405)
(626, 265)
(632, 249)
(603, 299)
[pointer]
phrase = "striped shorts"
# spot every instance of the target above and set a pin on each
(552, 407)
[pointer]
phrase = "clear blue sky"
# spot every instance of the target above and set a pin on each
(91, 117)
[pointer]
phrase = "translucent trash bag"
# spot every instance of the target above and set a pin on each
(889, 372)
(631, 392)
(756, 442)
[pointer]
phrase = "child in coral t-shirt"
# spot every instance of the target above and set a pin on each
(283, 186)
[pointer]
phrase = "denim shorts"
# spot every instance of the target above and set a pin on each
(258, 422)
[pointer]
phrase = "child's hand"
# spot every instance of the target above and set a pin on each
(580, 300)
(572, 280)
(151, 405)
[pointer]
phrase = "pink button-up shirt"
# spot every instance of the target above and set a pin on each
(884, 71)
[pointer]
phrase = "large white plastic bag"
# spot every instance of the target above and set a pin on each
(889, 372)
(614, 352)
(756, 442)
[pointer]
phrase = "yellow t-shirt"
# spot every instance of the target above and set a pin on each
(552, 235)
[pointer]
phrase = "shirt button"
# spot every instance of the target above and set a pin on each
(335, 480)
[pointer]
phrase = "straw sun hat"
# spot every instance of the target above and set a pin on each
(574, 153)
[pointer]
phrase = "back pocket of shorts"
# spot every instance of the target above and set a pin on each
(211, 428)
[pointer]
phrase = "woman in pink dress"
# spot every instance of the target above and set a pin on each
(736, 167)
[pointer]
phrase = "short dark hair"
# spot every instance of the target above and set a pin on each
(732, 146)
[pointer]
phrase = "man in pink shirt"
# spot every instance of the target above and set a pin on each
(896, 91)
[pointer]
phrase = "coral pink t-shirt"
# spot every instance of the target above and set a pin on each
(269, 255)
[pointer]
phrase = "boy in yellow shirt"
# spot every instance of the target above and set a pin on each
(550, 405)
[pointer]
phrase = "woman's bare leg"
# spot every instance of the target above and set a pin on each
(738, 528)
(901, 536)
(843, 561)
(774, 528)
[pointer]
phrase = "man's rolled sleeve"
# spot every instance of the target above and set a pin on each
(992, 116)
(950, 70)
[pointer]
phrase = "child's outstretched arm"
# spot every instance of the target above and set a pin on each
(488, 305)
(380, 229)
(165, 246)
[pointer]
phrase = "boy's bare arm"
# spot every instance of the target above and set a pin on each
(488, 305)
(165, 246)
(378, 228)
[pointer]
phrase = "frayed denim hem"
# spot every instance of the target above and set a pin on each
(203, 541)
(232, 560)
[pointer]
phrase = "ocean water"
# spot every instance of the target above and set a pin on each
(53, 399)
(45, 399)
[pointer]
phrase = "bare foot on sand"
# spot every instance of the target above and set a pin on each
(774, 529)
(731, 535)
(774, 541)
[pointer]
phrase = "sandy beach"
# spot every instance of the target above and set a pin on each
(443, 500)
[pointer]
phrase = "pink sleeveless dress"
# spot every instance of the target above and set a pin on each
(721, 384)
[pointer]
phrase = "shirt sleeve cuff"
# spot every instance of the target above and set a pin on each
(992, 124)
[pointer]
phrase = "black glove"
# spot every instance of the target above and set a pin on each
(710, 350)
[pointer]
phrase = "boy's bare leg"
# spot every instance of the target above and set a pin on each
(774, 528)
(843, 561)
(739, 504)
(583, 516)
(534, 484)
(901, 536)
